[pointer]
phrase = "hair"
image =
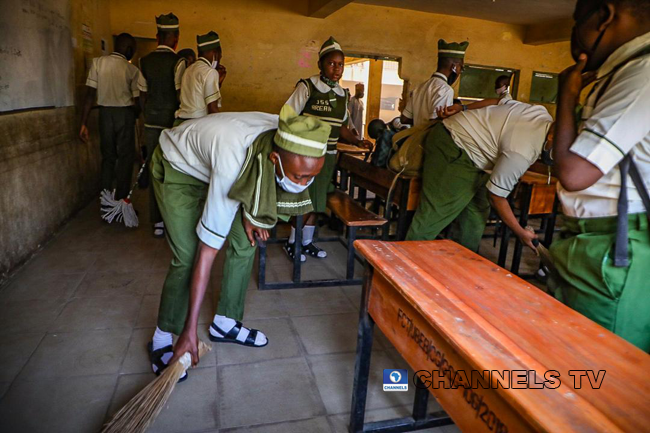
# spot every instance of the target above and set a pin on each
(375, 127)
(445, 62)
(123, 41)
(208, 50)
(187, 52)
(502, 80)
(166, 36)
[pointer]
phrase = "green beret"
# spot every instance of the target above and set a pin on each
(302, 135)
(208, 42)
(452, 49)
(328, 46)
(167, 23)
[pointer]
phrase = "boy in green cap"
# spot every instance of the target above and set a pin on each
(160, 81)
(226, 174)
(321, 96)
(436, 92)
(603, 165)
(201, 87)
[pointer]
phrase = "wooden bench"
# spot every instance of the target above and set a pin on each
(446, 309)
(353, 216)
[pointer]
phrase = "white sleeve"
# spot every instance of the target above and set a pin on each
(219, 210)
(299, 97)
(619, 120)
(508, 169)
(93, 75)
(178, 73)
(211, 91)
(442, 98)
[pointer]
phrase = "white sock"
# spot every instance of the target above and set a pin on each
(308, 234)
(226, 324)
(160, 225)
(162, 339)
(292, 236)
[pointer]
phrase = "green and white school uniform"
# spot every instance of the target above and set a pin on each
(312, 97)
(615, 125)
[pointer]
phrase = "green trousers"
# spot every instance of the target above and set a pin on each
(322, 184)
(453, 192)
(117, 145)
(181, 199)
(151, 137)
(616, 298)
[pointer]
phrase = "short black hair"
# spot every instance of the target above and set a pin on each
(444, 62)
(502, 80)
(123, 41)
(187, 52)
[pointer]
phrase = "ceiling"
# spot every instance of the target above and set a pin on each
(505, 11)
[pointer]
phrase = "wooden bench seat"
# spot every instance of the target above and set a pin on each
(351, 213)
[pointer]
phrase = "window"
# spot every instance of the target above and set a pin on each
(544, 87)
(477, 82)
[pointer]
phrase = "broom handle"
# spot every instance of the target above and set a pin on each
(137, 179)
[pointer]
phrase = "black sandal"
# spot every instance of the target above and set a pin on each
(313, 250)
(290, 249)
(231, 336)
(155, 356)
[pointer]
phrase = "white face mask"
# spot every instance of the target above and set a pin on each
(215, 63)
(502, 90)
(287, 184)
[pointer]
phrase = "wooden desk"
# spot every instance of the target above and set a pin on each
(348, 148)
(378, 180)
(445, 307)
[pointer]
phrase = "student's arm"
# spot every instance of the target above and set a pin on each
(221, 69)
(440, 98)
(188, 340)
(212, 92)
(88, 105)
(142, 100)
(406, 118)
(444, 112)
(501, 205)
(179, 70)
(142, 87)
(351, 138)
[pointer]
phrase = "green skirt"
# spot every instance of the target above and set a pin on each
(322, 184)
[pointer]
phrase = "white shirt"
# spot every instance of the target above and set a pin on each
(427, 98)
(212, 149)
(505, 138)
(115, 79)
(300, 95)
(617, 125)
(199, 88)
(356, 115)
(179, 70)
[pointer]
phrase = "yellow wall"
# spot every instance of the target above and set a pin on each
(269, 45)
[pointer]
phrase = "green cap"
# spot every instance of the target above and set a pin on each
(302, 135)
(167, 23)
(452, 49)
(208, 41)
(328, 46)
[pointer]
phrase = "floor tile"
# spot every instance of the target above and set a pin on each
(314, 425)
(123, 260)
(119, 284)
(283, 343)
(16, 350)
(354, 295)
(267, 392)
(29, 316)
(98, 313)
(4, 387)
(307, 302)
(28, 286)
(332, 333)
(335, 375)
(77, 354)
(193, 405)
(57, 405)
(52, 262)
(263, 304)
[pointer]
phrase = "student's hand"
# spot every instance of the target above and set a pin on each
(221, 69)
(527, 237)
(84, 135)
(252, 231)
(571, 80)
(365, 144)
(444, 112)
(188, 341)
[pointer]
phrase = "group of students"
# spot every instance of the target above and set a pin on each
(232, 176)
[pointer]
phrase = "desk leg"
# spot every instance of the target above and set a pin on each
(344, 180)
(362, 364)
(421, 400)
(550, 225)
(298, 250)
(523, 221)
(402, 225)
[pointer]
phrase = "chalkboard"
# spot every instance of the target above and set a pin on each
(36, 63)
(477, 82)
(544, 87)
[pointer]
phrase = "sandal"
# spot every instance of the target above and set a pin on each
(159, 230)
(314, 251)
(157, 364)
(290, 249)
(231, 336)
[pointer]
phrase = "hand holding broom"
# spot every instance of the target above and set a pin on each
(141, 411)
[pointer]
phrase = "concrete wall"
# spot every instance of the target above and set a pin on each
(46, 173)
(269, 44)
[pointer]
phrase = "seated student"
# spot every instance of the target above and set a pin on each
(189, 55)
(502, 87)
(226, 174)
(603, 254)
(506, 139)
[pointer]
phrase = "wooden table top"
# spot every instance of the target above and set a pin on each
(498, 321)
(348, 148)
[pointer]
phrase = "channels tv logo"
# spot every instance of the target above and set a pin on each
(396, 380)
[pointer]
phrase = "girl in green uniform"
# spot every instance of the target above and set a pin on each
(322, 96)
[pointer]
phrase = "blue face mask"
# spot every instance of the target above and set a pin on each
(287, 184)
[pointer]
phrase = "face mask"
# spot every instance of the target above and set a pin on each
(501, 90)
(215, 63)
(287, 184)
(453, 76)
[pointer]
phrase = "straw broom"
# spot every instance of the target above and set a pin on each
(120, 210)
(141, 411)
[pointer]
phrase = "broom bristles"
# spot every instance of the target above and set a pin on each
(141, 411)
(117, 210)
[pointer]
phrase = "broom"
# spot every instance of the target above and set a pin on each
(141, 411)
(120, 210)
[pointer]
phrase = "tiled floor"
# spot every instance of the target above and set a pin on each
(75, 320)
